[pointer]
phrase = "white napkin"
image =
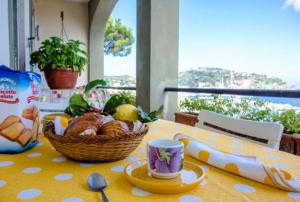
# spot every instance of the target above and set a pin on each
(245, 166)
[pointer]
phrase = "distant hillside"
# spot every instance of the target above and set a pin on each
(213, 77)
(124, 80)
(224, 78)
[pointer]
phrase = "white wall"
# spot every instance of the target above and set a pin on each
(47, 16)
(4, 33)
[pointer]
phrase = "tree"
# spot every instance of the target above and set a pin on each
(118, 38)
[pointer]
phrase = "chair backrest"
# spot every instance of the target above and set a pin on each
(264, 133)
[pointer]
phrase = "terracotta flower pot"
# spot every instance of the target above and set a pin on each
(290, 143)
(186, 118)
(287, 143)
(297, 144)
(62, 78)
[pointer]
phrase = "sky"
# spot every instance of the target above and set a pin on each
(261, 36)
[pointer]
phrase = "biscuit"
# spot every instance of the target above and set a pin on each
(35, 113)
(25, 137)
(13, 131)
(27, 113)
(35, 130)
(9, 121)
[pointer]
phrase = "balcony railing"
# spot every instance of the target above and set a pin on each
(60, 102)
(242, 92)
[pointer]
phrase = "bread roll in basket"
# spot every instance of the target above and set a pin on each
(105, 146)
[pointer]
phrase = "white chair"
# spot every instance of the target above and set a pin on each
(268, 134)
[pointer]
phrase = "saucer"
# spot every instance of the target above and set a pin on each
(191, 175)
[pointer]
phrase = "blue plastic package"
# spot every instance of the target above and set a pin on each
(19, 106)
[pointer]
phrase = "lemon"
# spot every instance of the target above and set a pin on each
(126, 112)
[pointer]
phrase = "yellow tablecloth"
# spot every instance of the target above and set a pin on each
(42, 174)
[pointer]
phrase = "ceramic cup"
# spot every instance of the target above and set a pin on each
(165, 158)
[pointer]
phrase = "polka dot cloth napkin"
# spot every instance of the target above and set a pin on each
(246, 166)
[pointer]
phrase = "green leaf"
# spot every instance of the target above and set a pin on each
(93, 84)
(157, 113)
(152, 116)
(77, 105)
(113, 103)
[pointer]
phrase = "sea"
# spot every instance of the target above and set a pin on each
(294, 102)
(279, 100)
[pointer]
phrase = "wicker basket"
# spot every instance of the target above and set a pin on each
(95, 148)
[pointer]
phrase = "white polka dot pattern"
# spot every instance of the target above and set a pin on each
(33, 155)
(59, 159)
(86, 164)
(188, 176)
(267, 149)
(29, 194)
(63, 176)
(272, 157)
(32, 170)
(118, 169)
(6, 163)
(294, 195)
(2, 183)
(139, 192)
(72, 200)
(132, 158)
(244, 188)
(189, 198)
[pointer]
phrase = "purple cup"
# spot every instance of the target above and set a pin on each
(165, 158)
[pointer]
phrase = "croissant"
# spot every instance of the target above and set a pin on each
(82, 128)
(90, 117)
(114, 128)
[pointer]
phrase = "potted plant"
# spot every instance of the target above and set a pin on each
(192, 106)
(290, 141)
(61, 62)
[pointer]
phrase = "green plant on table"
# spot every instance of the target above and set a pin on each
(54, 53)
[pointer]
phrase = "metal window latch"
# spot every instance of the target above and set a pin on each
(37, 32)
